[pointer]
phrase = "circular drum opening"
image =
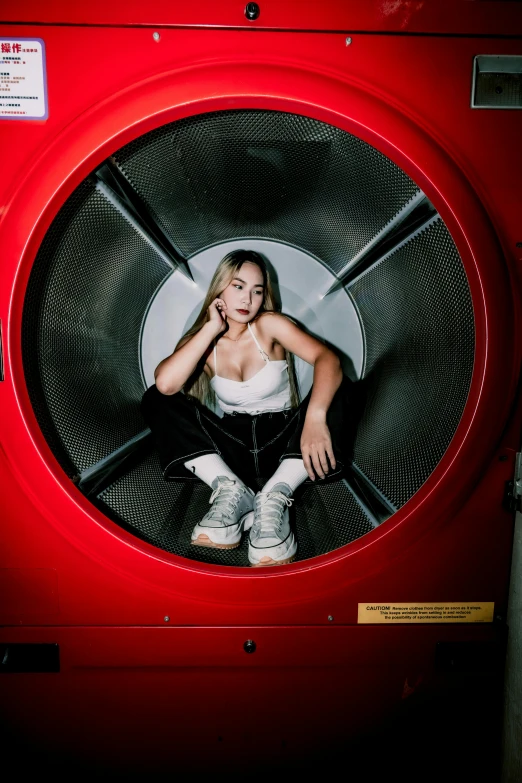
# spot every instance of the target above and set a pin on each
(361, 258)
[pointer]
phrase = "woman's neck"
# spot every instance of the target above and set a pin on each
(235, 332)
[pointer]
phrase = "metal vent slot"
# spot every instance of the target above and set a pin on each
(497, 82)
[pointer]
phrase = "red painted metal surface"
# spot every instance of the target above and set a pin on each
(168, 706)
(408, 95)
(476, 17)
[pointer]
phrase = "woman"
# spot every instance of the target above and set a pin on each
(240, 352)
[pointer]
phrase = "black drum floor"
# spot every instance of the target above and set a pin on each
(164, 513)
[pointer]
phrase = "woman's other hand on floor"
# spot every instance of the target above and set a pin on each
(316, 447)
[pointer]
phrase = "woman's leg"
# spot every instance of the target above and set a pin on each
(271, 540)
(190, 442)
(176, 428)
(290, 472)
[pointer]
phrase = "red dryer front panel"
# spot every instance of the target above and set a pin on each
(373, 153)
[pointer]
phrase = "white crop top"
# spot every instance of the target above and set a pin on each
(267, 391)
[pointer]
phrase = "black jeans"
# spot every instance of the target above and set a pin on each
(252, 446)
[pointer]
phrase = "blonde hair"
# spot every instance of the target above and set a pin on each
(198, 385)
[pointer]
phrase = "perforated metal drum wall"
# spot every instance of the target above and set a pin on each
(417, 317)
(223, 176)
(90, 285)
(265, 174)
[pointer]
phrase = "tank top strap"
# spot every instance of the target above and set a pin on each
(215, 359)
(263, 354)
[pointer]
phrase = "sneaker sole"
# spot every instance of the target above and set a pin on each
(245, 523)
(269, 562)
(265, 560)
(204, 540)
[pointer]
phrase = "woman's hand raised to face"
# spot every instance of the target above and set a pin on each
(216, 315)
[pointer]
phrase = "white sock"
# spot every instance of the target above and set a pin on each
(208, 467)
(291, 472)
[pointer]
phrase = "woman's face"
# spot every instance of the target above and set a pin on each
(245, 293)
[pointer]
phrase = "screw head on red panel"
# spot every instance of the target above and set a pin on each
(252, 11)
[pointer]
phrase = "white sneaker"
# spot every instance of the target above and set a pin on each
(271, 540)
(222, 526)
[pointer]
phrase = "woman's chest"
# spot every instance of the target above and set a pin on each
(242, 362)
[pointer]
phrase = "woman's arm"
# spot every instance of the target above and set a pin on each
(316, 443)
(172, 373)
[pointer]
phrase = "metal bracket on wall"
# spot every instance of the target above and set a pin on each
(415, 216)
(93, 480)
(513, 493)
(111, 181)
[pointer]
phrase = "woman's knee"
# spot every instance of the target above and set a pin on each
(150, 399)
(153, 400)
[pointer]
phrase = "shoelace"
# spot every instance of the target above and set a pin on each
(224, 499)
(270, 507)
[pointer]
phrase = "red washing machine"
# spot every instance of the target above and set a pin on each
(371, 151)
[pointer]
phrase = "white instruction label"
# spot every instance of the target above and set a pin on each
(23, 82)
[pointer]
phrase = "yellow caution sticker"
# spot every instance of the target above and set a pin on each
(389, 614)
